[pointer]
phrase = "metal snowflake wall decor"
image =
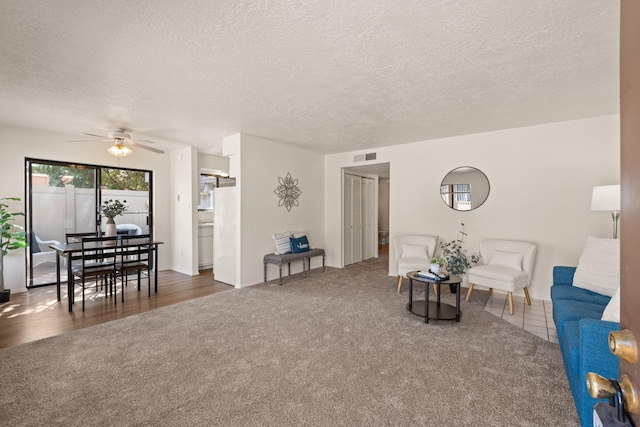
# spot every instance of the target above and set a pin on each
(288, 192)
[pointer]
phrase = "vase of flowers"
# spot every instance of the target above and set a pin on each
(111, 209)
(458, 262)
(436, 264)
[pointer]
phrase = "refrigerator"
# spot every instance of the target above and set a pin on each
(225, 235)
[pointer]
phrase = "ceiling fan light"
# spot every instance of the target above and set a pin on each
(119, 150)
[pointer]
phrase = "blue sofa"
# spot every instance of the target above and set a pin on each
(583, 337)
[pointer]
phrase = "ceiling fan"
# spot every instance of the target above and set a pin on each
(121, 140)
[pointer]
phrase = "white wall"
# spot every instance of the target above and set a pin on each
(17, 143)
(213, 162)
(261, 163)
(185, 195)
(228, 240)
(541, 180)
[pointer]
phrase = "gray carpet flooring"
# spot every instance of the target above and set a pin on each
(333, 349)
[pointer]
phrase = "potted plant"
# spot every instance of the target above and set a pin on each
(437, 263)
(11, 237)
(111, 209)
(457, 259)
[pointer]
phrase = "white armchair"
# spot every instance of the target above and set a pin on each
(412, 252)
(129, 229)
(508, 266)
(41, 253)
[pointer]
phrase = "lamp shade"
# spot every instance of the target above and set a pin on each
(119, 150)
(606, 198)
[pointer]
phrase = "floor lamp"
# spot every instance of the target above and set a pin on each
(607, 198)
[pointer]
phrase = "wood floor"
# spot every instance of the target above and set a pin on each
(37, 314)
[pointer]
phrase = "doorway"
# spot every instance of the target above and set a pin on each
(365, 212)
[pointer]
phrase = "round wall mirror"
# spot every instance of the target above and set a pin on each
(464, 188)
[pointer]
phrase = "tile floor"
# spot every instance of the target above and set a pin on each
(536, 318)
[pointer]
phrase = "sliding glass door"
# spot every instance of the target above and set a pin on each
(132, 188)
(65, 198)
(61, 198)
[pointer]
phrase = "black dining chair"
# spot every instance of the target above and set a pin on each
(98, 262)
(77, 238)
(134, 256)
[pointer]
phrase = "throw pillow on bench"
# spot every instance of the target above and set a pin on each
(300, 244)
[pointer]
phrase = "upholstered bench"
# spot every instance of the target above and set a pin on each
(281, 259)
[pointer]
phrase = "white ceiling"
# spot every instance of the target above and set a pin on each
(328, 75)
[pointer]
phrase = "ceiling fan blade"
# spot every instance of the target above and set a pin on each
(144, 140)
(97, 136)
(155, 150)
(91, 140)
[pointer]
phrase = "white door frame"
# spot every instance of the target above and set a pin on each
(345, 171)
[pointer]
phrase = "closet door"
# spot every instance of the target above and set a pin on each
(352, 219)
(347, 231)
(369, 226)
(356, 219)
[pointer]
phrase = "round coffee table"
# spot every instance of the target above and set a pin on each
(434, 309)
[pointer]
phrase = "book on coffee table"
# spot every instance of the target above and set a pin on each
(432, 276)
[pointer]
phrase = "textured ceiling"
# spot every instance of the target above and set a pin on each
(328, 75)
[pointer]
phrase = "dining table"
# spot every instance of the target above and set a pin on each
(71, 251)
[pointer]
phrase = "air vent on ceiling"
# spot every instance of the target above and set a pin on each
(363, 157)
